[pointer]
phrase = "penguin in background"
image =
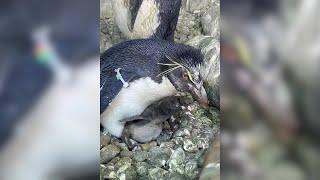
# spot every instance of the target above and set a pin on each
(139, 19)
(137, 73)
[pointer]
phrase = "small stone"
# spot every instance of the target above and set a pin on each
(158, 157)
(158, 174)
(104, 140)
(178, 140)
(148, 146)
(190, 146)
(176, 176)
(109, 152)
(111, 175)
(126, 153)
(140, 156)
(127, 174)
(164, 136)
(108, 172)
(206, 133)
(143, 178)
(206, 121)
(122, 146)
(186, 100)
(191, 169)
(114, 160)
(194, 107)
(103, 171)
(169, 145)
(195, 132)
(115, 141)
(200, 113)
(142, 168)
(182, 132)
(166, 125)
(176, 161)
(124, 168)
(203, 143)
(177, 157)
(123, 163)
(185, 121)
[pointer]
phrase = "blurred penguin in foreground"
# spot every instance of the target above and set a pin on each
(49, 90)
(270, 90)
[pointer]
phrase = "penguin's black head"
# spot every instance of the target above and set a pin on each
(184, 74)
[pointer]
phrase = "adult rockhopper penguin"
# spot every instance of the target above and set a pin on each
(137, 73)
(147, 18)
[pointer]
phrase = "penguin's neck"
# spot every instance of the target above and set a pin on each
(133, 101)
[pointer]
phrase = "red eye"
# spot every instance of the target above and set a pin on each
(185, 76)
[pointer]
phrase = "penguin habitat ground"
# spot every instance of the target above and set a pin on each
(192, 150)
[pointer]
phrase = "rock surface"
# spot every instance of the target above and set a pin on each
(210, 20)
(210, 48)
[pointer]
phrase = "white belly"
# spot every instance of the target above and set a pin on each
(133, 101)
(147, 20)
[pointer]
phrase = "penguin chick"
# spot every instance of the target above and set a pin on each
(147, 18)
(148, 125)
(154, 69)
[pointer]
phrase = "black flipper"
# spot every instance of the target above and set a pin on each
(134, 6)
(134, 118)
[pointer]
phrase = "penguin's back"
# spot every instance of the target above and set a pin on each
(136, 59)
(143, 55)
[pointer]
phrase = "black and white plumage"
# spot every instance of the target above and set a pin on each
(154, 69)
(147, 18)
(148, 125)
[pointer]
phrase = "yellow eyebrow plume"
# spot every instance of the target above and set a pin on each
(177, 65)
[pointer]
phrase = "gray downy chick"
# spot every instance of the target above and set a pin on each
(148, 126)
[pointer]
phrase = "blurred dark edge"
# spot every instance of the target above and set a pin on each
(270, 104)
(74, 26)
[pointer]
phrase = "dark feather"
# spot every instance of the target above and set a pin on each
(169, 13)
(134, 6)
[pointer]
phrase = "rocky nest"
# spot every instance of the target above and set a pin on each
(174, 155)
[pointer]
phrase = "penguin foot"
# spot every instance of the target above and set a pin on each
(172, 124)
(129, 142)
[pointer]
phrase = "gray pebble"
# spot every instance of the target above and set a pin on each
(109, 152)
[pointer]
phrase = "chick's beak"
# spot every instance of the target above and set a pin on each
(200, 95)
